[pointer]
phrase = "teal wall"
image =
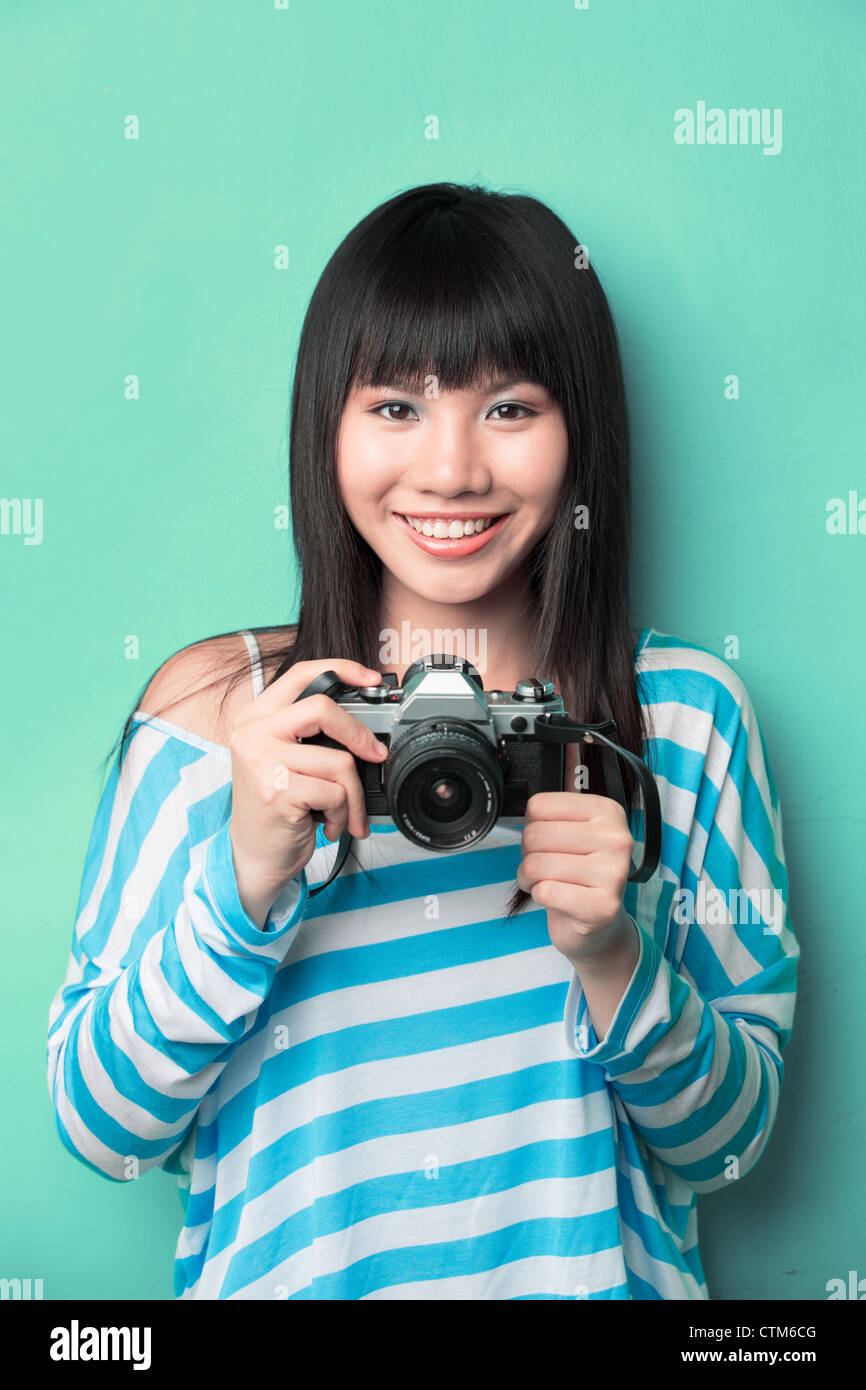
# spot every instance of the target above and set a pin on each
(262, 126)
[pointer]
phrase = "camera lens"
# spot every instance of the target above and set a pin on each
(444, 784)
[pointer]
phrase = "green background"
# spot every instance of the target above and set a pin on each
(261, 127)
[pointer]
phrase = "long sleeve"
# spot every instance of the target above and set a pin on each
(694, 1049)
(166, 970)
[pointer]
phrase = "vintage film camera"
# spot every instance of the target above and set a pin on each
(462, 758)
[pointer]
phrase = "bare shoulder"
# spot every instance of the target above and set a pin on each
(205, 686)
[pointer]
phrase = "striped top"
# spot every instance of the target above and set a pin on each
(389, 1092)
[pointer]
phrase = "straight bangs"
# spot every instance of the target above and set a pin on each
(450, 308)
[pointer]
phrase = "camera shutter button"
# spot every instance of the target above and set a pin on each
(376, 694)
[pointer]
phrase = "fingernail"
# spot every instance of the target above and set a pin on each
(381, 748)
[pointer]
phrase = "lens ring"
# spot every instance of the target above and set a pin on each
(451, 751)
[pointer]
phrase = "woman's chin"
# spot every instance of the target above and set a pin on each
(443, 588)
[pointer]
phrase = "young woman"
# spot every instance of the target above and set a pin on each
(418, 1083)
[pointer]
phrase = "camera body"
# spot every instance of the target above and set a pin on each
(460, 758)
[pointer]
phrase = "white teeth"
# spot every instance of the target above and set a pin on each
(450, 530)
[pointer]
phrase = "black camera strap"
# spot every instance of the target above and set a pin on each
(561, 728)
(330, 684)
(343, 847)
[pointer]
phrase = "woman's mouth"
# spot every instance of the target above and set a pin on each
(450, 537)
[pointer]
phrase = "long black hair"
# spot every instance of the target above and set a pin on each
(463, 283)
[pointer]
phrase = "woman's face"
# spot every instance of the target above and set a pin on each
(497, 455)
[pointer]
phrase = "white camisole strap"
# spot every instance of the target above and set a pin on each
(255, 664)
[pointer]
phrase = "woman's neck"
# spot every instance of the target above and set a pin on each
(494, 632)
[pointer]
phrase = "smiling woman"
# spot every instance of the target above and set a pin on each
(406, 1085)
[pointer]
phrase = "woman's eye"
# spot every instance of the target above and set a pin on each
(392, 405)
(387, 406)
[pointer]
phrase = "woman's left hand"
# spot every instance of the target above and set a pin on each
(577, 850)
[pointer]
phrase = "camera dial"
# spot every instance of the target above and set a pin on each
(533, 689)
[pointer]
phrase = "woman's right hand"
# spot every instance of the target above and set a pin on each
(278, 782)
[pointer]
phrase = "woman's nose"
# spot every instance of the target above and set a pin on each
(448, 461)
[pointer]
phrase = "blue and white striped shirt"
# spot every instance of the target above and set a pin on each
(391, 1093)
